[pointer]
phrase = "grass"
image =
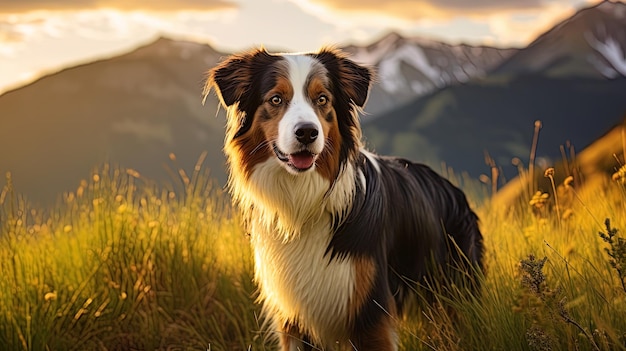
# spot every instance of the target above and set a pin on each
(551, 283)
(122, 264)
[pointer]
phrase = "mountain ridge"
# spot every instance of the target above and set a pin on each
(410, 67)
(137, 108)
(133, 110)
(591, 43)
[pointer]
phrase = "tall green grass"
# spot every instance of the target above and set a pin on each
(123, 264)
(550, 282)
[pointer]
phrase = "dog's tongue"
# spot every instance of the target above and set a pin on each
(302, 160)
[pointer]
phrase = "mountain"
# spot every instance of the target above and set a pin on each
(459, 124)
(564, 79)
(412, 67)
(132, 110)
(591, 44)
(432, 102)
(135, 109)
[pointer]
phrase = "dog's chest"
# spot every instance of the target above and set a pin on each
(299, 282)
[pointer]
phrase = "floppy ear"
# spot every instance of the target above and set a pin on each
(353, 79)
(233, 77)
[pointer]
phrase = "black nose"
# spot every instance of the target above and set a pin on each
(306, 133)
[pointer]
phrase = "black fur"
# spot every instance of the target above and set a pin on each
(243, 79)
(350, 87)
(408, 219)
(405, 219)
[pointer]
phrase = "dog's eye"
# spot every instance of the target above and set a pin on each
(322, 100)
(276, 100)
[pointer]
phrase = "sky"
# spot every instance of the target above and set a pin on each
(43, 36)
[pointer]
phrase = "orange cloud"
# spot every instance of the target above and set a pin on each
(8, 35)
(427, 9)
(510, 28)
(20, 6)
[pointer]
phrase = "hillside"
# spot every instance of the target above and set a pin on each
(132, 110)
(459, 124)
(591, 166)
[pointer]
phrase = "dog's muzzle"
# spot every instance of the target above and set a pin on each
(299, 161)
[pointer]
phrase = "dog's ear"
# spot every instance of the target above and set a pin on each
(353, 79)
(232, 78)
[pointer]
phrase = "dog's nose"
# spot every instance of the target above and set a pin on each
(306, 133)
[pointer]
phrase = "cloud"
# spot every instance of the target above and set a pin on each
(8, 34)
(501, 23)
(21, 6)
(522, 28)
(426, 9)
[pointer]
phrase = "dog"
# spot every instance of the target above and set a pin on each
(338, 233)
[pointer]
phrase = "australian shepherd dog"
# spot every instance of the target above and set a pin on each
(339, 234)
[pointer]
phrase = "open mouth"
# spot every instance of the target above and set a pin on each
(300, 161)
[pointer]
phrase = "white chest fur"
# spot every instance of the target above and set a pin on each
(299, 282)
(290, 218)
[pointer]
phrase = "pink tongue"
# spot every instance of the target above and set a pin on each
(302, 160)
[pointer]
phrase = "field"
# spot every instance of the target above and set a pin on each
(124, 264)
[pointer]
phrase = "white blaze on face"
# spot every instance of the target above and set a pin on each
(299, 110)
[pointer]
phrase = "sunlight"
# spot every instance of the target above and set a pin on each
(28, 76)
(521, 27)
(346, 18)
(7, 49)
(109, 24)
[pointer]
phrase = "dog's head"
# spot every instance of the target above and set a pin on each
(299, 109)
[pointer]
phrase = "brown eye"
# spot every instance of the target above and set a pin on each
(276, 100)
(322, 100)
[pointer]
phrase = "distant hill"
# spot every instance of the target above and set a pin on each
(132, 110)
(459, 124)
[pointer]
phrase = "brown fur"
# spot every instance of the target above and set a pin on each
(365, 272)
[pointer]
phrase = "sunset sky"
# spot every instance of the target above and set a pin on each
(38, 36)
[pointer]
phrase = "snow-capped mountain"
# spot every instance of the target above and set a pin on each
(592, 44)
(572, 78)
(411, 67)
(133, 110)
